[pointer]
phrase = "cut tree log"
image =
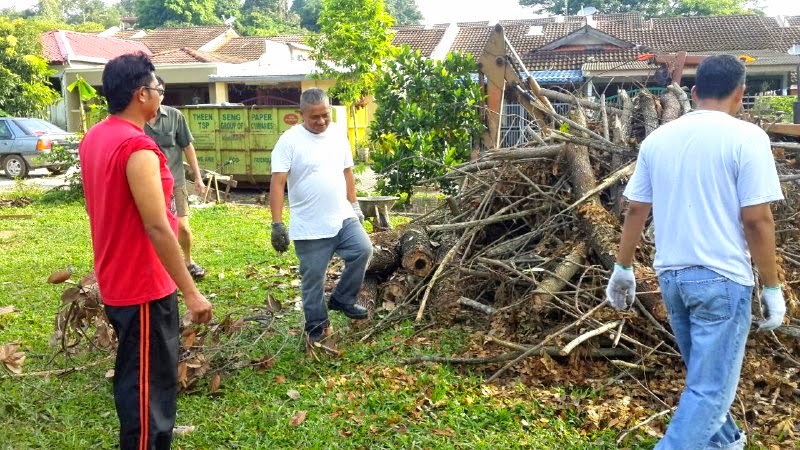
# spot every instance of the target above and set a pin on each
(670, 107)
(368, 296)
(385, 252)
(683, 99)
(599, 224)
(396, 288)
(563, 272)
(415, 248)
(571, 99)
(645, 115)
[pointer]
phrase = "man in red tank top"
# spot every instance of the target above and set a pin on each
(137, 258)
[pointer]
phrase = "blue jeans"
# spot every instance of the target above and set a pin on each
(710, 317)
(351, 244)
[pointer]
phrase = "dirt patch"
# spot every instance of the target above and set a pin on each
(7, 234)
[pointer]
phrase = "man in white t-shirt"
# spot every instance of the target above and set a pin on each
(325, 218)
(709, 179)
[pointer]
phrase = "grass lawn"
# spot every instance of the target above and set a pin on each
(365, 399)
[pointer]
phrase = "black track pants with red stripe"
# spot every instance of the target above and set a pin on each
(146, 372)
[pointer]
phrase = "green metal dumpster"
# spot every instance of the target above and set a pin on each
(238, 140)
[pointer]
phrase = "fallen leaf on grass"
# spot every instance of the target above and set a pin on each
(264, 363)
(11, 358)
(293, 394)
(71, 295)
(110, 373)
(216, 380)
(7, 310)
(59, 276)
(280, 379)
(273, 305)
(189, 337)
(183, 430)
(298, 419)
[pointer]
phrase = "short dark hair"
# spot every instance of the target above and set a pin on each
(718, 76)
(160, 81)
(122, 75)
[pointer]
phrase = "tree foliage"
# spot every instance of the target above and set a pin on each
(24, 77)
(308, 11)
(649, 8)
(267, 17)
(91, 14)
(157, 13)
(426, 120)
(711, 8)
(404, 12)
(353, 43)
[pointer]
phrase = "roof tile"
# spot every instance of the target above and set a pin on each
(419, 38)
(60, 46)
(188, 55)
(168, 38)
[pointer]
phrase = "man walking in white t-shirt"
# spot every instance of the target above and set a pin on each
(709, 179)
(325, 217)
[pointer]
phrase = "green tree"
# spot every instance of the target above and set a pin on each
(650, 8)
(404, 12)
(308, 12)
(426, 120)
(353, 43)
(25, 88)
(224, 9)
(50, 10)
(85, 11)
(126, 7)
(157, 13)
(712, 8)
(267, 17)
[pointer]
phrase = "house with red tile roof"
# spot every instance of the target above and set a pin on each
(184, 58)
(597, 53)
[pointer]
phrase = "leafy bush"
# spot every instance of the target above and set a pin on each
(66, 159)
(426, 119)
(769, 106)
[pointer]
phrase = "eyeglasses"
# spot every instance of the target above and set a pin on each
(159, 90)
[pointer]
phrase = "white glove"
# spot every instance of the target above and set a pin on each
(621, 288)
(357, 210)
(773, 308)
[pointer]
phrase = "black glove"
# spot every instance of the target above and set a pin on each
(280, 237)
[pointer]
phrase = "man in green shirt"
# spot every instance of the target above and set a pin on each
(171, 132)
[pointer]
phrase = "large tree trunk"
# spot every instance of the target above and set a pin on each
(601, 227)
(671, 107)
(645, 115)
(415, 247)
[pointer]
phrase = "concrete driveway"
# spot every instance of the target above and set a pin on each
(36, 177)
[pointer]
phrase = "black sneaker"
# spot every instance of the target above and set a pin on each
(353, 311)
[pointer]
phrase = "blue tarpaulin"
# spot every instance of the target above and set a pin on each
(557, 76)
(552, 76)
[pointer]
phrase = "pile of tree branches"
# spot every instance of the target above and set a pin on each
(524, 251)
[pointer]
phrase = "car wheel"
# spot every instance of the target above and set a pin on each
(15, 166)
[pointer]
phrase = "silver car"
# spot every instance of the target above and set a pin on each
(24, 141)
